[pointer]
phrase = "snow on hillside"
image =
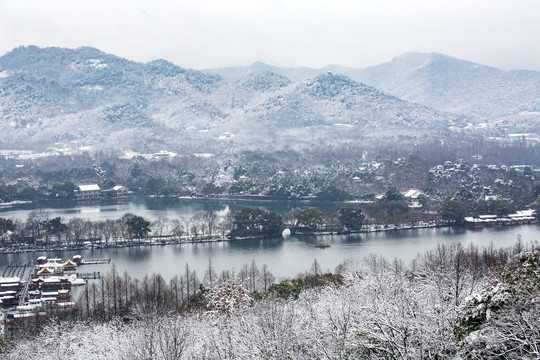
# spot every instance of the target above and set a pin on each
(50, 95)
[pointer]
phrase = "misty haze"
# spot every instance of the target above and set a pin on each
(270, 180)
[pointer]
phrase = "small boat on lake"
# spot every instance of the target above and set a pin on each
(322, 245)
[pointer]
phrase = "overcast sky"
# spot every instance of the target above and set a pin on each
(215, 33)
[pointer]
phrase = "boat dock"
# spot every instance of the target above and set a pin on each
(89, 276)
(95, 261)
(17, 270)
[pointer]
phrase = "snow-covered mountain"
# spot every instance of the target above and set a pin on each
(438, 81)
(84, 97)
(449, 84)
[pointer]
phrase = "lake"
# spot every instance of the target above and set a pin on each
(150, 208)
(285, 257)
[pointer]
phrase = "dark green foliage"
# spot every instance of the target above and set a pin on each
(138, 226)
(6, 225)
(154, 186)
(331, 192)
(136, 170)
(29, 194)
(504, 315)
(272, 223)
(499, 208)
(211, 188)
(289, 185)
(396, 208)
(524, 273)
(351, 217)
(54, 226)
(8, 193)
(311, 218)
(74, 174)
(256, 222)
(536, 190)
(325, 279)
(241, 187)
(393, 194)
(289, 288)
(64, 191)
(453, 211)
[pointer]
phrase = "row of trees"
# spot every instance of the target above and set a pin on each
(246, 222)
(39, 228)
(242, 223)
(117, 294)
(451, 302)
(57, 191)
(257, 222)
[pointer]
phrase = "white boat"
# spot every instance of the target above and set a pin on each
(75, 281)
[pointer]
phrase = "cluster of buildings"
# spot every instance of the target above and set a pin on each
(10, 288)
(94, 192)
(520, 217)
(48, 286)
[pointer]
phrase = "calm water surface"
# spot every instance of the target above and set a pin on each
(151, 208)
(285, 257)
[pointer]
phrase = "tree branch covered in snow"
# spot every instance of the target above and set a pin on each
(451, 302)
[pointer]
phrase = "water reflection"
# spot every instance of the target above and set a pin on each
(151, 208)
(284, 256)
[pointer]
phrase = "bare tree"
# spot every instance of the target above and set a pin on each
(267, 277)
(210, 275)
(160, 224)
(35, 221)
(178, 228)
(316, 268)
(210, 218)
(254, 275)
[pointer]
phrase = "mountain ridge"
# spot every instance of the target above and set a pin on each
(439, 81)
(85, 96)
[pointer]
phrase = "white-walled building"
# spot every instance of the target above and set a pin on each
(88, 192)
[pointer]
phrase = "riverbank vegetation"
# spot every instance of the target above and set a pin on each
(345, 172)
(450, 302)
(391, 212)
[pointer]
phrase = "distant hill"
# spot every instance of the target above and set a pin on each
(438, 81)
(449, 84)
(55, 97)
(292, 73)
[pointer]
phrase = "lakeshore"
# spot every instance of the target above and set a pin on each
(171, 240)
(285, 257)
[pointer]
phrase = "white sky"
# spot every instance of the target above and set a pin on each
(214, 33)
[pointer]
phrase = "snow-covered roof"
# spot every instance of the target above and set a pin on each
(45, 270)
(529, 212)
(412, 193)
(9, 280)
(69, 263)
(91, 187)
